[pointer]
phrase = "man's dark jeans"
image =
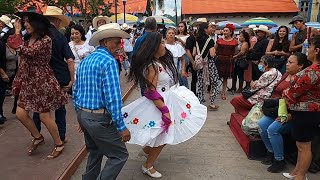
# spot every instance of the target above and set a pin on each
(3, 87)
(60, 115)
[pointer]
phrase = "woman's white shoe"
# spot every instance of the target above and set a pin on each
(147, 171)
(288, 175)
(142, 153)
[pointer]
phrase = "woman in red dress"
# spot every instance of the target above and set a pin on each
(226, 49)
(38, 89)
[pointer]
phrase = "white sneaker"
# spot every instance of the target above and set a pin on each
(142, 153)
(288, 175)
(147, 171)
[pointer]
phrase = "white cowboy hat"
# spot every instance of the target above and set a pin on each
(263, 28)
(96, 19)
(107, 31)
(125, 27)
(53, 11)
(6, 20)
(252, 26)
(212, 23)
(199, 21)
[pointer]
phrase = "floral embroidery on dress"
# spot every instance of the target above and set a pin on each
(125, 115)
(163, 89)
(160, 69)
(183, 115)
(152, 123)
(136, 121)
(188, 106)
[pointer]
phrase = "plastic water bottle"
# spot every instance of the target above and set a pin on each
(305, 47)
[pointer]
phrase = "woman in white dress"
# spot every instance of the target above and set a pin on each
(168, 114)
(79, 46)
(178, 53)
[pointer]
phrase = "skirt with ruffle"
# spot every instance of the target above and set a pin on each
(144, 121)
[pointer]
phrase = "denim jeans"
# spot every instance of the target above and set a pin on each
(102, 139)
(271, 135)
(60, 115)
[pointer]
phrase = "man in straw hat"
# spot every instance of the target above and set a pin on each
(63, 70)
(97, 99)
(259, 49)
(6, 28)
(96, 23)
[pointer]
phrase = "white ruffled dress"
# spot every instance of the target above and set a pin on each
(143, 118)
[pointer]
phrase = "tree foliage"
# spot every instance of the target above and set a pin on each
(8, 6)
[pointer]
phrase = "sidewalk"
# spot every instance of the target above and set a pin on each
(212, 154)
(15, 162)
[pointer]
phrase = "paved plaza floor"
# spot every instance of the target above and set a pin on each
(212, 154)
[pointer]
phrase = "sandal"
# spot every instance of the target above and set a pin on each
(213, 107)
(35, 145)
(56, 153)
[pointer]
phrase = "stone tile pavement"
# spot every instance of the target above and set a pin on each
(212, 154)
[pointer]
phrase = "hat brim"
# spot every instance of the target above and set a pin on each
(197, 23)
(107, 33)
(96, 19)
(8, 24)
(36, 16)
(64, 20)
(263, 30)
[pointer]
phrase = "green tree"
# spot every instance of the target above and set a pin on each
(8, 6)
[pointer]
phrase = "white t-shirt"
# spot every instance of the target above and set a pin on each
(80, 52)
(177, 51)
(127, 46)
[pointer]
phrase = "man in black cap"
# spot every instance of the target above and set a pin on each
(299, 37)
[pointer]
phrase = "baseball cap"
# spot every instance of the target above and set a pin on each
(297, 18)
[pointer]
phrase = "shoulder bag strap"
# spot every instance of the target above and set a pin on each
(205, 46)
(198, 49)
(75, 49)
(268, 83)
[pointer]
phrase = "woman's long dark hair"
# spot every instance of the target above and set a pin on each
(201, 33)
(39, 27)
(245, 36)
(285, 41)
(144, 57)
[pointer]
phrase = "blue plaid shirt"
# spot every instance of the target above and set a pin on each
(97, 85)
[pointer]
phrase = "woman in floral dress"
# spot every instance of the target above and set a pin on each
(38, 89)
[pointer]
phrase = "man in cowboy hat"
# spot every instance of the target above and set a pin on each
(6, 28)
(97, 99)
(299, 37)
(96, 23)
(62, 64)
(259, 49)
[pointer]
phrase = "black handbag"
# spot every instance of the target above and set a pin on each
(270, 107)
(242, 63)
(247, 93)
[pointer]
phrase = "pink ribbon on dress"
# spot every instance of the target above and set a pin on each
(154, 95)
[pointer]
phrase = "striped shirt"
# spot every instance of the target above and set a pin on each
(98, 85)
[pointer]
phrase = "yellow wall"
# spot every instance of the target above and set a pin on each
(314, 11)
